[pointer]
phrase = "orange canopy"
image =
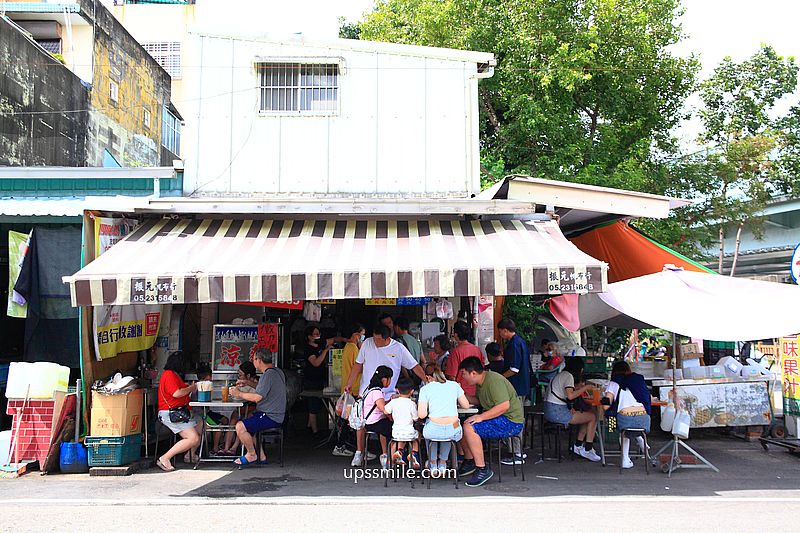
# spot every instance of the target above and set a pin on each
(630, 254)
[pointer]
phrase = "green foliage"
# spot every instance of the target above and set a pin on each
(750, 157)
(59, 58)
(349, 30)
(584, 90)
(524, 310)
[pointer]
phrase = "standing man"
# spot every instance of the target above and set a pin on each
(463, 349)
(401, 326)
(387, 320)
(270, 400)
(501, 418)
(380, 350)
(517, 370)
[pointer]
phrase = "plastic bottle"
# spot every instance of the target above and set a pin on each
(668, 417)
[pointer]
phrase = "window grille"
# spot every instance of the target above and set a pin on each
(299, 88)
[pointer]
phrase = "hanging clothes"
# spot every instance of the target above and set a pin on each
(51, 329)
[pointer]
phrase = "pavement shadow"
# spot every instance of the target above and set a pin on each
(744, 466)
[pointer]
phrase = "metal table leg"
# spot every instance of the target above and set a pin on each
(202, 439)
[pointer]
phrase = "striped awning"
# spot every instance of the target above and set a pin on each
(213, 260)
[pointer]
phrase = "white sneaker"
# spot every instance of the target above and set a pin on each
(627, 463)
(577, 450)
(442, 468)
(342, 451)
(357, 459)
(384, 461)
(370, 456)
(590, 454)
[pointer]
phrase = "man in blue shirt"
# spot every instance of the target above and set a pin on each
(517, 370)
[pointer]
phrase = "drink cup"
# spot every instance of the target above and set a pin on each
(224, 394)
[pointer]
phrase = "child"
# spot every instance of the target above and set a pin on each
(496, 362)
(212, 418)
(404, 414)
(374, 409)
(246, 382)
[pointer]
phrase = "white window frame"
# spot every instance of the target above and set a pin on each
(146, 118)
(168, 55)
(113, 91)
(170, 132)
(278, 83)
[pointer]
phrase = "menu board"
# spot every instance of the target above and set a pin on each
(232, 346)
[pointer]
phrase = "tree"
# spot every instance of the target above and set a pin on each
(744, 143)
(584, 90)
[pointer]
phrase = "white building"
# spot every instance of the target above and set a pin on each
(293, 116)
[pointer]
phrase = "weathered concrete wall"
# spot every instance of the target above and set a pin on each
(52, 123)
(143, 85)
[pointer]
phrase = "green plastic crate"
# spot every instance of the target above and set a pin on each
(595, 364)
(114, 451)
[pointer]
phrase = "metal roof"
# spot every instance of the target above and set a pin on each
(357, 45)
(582, 206)
(25, 207)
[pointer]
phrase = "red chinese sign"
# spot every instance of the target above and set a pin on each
(268, 337)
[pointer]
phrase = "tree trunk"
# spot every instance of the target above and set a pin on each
(721, 248)
(736, 250)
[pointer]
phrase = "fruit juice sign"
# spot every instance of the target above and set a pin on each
(790, 362)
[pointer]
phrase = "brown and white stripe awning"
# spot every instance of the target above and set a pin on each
(213, 260)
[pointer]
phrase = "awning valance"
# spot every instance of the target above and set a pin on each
(214, 260)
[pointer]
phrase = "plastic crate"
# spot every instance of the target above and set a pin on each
(114, 451)
(595, 364)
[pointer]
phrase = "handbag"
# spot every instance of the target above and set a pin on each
(177, 415)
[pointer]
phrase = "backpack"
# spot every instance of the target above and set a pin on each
(357, 420)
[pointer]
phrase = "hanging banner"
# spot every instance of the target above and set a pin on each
(109, 231)
(121, 328)
(17, 246)
(791, 374)
(125, 328)
(268, 337)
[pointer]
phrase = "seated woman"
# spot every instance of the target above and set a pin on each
(438, 402)
(628, 398)
(173, 392)
(564, 388)
(248, 379)
(441, 349)
(375, 414)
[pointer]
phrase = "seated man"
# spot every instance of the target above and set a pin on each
(270, 400)
(501, 418)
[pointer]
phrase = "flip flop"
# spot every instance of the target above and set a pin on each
(163, 467)
(243, 461)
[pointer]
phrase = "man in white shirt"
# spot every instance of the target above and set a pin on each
(381, 349)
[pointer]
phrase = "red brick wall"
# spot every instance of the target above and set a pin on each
(35, 429)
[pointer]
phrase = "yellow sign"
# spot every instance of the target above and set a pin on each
(790, 362)
(380, 301)
(336, 361)
(326, 302)
(125, 328)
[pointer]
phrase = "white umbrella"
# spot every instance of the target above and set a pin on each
(693, 304)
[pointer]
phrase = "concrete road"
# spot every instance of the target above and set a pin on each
(755, 490)
(402, 514)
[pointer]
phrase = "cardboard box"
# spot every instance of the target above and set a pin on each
(116, 415)
(691, 349)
